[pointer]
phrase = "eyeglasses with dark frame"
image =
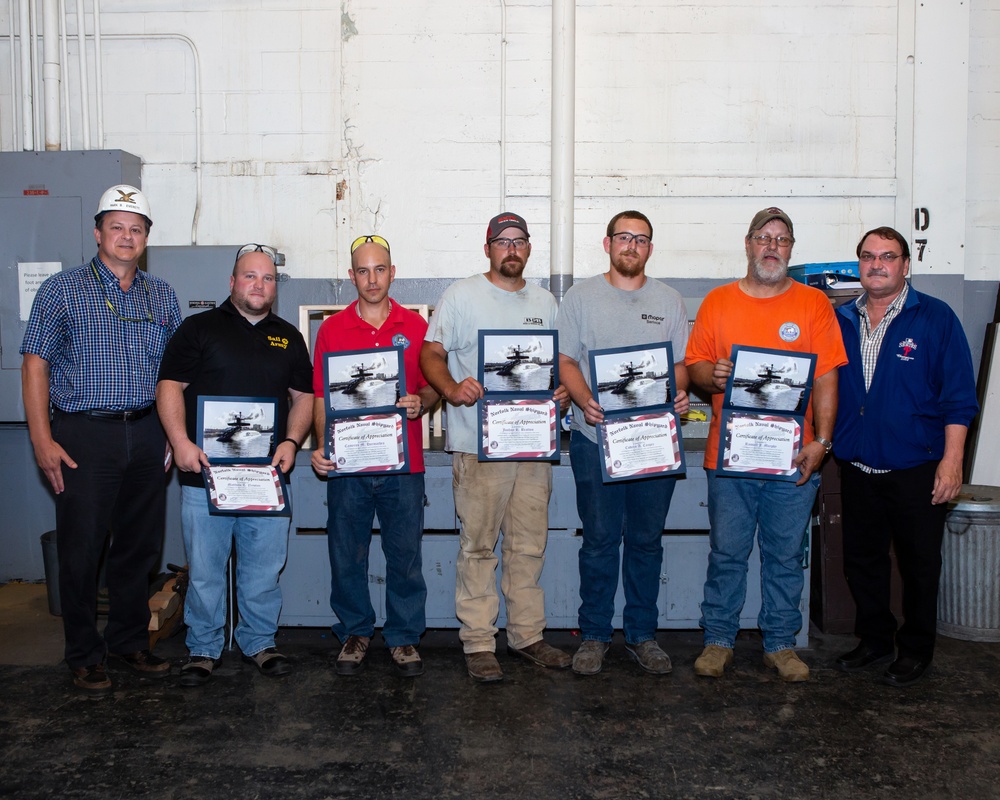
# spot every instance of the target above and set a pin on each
(764, 240)
(253, 247)
(625, 237)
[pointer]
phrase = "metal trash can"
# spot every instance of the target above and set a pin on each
(969, 595)
(50, 558)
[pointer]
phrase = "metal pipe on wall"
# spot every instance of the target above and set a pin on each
(27, 107)
(99, 70)
(81, 35)
(64, 70)
(563, 141)
(503, 105)
(50, 72)
(13, 75)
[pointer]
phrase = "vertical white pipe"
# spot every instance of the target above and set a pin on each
(50, 72)
(503, 106)
(27, 109)
(64, 69)
(81, 35)
(563, 140)
(99, 80)
(13, 75)
(36, 76)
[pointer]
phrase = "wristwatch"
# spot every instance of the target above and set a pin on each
(827, 444)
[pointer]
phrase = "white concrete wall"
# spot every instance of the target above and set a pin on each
(697, 112)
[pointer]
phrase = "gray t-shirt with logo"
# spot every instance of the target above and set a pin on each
(595, 315)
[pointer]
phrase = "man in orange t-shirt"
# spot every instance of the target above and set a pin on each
(765, 309)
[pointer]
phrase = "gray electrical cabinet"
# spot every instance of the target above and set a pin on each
(47, 205)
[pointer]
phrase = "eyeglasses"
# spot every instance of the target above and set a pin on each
(253, 247)
(372, 238)
(504, 244)
(625, 237)
(107, 300)
(764, 240)
(885, 258)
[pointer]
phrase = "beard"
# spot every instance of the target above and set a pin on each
(628, 267)
(511, 267)
(768, 275)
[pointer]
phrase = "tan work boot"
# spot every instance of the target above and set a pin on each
(713, 661)
(483, 667)
(543, 654)
(788, 664)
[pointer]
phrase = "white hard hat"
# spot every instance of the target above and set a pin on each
(125, 198)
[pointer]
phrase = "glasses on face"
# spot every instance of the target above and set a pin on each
(885, 258)
(764, 240)
(253, 247)
(372, 238)
(504, 244)
(625, 238)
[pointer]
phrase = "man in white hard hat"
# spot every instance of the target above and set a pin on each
(92, 351)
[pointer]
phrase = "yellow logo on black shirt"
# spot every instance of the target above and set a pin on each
(278, 341)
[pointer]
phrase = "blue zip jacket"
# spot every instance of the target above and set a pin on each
(923, 381)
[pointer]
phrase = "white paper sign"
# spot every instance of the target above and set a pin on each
(31, 275)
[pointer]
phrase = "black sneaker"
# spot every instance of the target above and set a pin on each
(270, 662)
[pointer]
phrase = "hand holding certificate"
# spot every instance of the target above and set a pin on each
(640, 436)
(237, 434)
(764, 411)
(518, 418)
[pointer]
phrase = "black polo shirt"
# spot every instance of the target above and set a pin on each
(219, 352)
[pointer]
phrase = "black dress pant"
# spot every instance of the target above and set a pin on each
(893, 508)
(118, 488)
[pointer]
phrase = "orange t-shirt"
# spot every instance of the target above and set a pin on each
(800, 319)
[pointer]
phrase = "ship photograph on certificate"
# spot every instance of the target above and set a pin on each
(763, 412)
(518, 417)
(365, 432)
(237, 435)
(641, 434)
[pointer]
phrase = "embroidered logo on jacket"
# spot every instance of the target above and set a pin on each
(398, 340)
(278, 341)
(789, 332)
(907, 346)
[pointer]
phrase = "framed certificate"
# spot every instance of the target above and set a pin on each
(518, 418)
(763, 412)
(519, 429)
(365, 431)
(641, 434)
(238, 436)
(360, 443)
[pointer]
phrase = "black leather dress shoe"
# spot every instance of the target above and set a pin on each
(904, 671)
(862, 656)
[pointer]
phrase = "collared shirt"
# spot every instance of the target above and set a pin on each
(871, 344)
(103, 345)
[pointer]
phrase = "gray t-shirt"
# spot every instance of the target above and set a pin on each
(595, 315)
(466, 307)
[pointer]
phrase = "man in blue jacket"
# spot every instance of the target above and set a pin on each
(907, 396)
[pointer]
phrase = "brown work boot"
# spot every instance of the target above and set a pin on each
(407, 661)
(93, 680)
(145, 663)
(543, 654)
(352, 655)
(589, 657)
(788, 664)
(483, 667)
(650, 656)
(713, 661)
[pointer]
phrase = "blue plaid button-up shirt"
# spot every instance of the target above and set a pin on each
(103, 345)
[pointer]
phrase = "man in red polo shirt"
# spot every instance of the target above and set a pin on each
(372, 321)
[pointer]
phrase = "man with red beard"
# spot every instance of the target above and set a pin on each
(620, 308)
(512, 496)
(764, 309)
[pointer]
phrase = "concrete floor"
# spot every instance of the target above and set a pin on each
(538, 734)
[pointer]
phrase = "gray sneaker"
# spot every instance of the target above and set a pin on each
(589, 658)
(351, 659)
(650, 657)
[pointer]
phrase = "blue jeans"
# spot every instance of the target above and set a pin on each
(633, 511)
(261, 547)
(778, 512)
(399, 502)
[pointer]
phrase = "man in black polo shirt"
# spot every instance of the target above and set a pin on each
(240, 349)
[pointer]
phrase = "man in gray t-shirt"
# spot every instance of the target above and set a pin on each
(512, 496)
(619, 308)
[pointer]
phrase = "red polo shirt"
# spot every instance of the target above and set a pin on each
(345, 330)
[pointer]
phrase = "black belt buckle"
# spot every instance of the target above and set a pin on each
(120, 416)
